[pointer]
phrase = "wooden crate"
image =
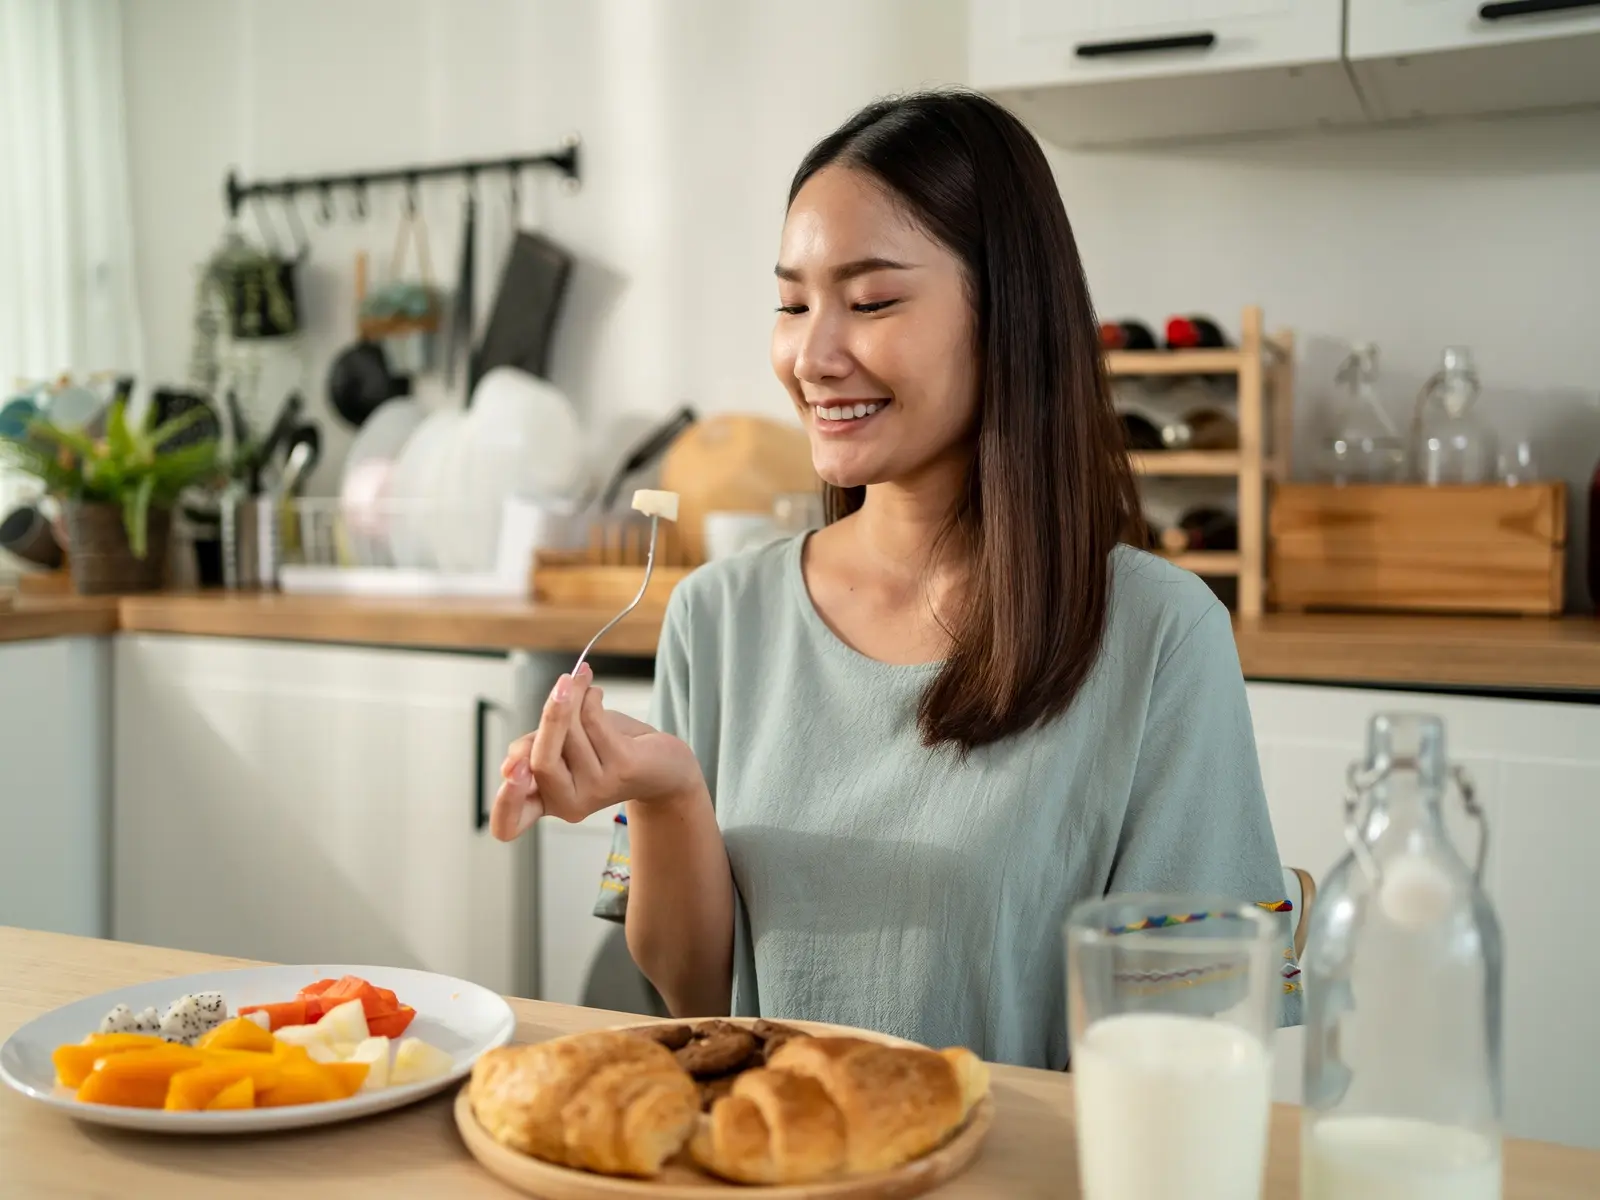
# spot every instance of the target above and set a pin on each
(1413, 548)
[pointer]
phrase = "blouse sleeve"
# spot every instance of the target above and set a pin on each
(1197, 819)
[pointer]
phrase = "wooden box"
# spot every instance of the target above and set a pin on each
(1412, 548)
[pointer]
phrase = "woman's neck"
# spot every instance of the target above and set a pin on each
(903, 529)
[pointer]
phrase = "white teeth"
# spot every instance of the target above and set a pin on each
(848, 412)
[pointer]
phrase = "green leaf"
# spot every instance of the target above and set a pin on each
(136, 515)
(167, 430)
(73, 439)
(119, 439)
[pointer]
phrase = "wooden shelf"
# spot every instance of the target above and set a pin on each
(1175, 362)
(1208, 562)
(1186, 462)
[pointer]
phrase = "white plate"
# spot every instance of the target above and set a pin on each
(458, 1017)
(412, 485)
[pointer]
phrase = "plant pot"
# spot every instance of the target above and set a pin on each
(102, 562)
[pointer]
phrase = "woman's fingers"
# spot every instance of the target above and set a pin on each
(588, 776)
(546, 757)
(516, 808)
(516, 753)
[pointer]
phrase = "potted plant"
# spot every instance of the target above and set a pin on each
(117, 490)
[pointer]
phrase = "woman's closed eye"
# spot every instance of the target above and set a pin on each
(865, 306)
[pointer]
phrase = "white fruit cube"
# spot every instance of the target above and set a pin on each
(302, 1035)
(321, 1052)
(346, 1023)
(416, 1062)
(656, 504)
(260, 1018)
(375, 1053)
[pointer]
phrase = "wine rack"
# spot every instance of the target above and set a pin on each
(1264, 367)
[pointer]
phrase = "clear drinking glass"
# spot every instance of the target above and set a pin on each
(1172, 1002)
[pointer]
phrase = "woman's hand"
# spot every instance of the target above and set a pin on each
(583, 758)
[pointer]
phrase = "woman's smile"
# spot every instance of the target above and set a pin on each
(845, 418)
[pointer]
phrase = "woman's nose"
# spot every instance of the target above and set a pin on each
(822, 354)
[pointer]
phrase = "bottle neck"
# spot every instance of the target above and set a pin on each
(1401, 804)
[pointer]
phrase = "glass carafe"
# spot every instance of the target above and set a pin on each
(1450, 443)
(1363, 445)
(1402, 976)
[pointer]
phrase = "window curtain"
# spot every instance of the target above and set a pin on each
(67, 297)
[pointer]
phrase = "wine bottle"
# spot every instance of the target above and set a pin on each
(1140, 432)
(1202, 528)
(1194, 333)
(1201, 429)
(1126, 335)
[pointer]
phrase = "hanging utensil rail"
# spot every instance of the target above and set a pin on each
(564, 160)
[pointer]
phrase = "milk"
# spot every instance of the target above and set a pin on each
(1396, 1158)
(1170, 1108)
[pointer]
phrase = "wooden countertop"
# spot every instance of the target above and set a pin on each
(1030, 1152)
(1486, 653)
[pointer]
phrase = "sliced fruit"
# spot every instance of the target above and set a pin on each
(291, 1055)
(303, 1035)
(241, 1033)
(347, 1077)
(73, 1063)
(288, 1013)
(241, 1093)
(375, 1053)
(346, 1023)
(392, 1024)
(416, 1062)
(260, 1017)
(195, 1088)
(303, 1083)
(321, 1052)
(139, 1078)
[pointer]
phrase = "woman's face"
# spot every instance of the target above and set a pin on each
(874, 334)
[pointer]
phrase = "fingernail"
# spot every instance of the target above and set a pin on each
(563, 689)
(586, 671)
(521, 775)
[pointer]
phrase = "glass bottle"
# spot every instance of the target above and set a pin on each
(1450, 442)
(1363, 446)
(1402, 976)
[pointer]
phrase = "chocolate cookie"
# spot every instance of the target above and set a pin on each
(673, 1037)
(712, 1090)
(772, 1035)
(717, 1048)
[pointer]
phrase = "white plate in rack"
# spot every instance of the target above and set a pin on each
(458, 1017)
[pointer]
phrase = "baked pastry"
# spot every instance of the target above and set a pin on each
(837, 1106)
(717, 1048)
(673, 1037)
(606, 1101)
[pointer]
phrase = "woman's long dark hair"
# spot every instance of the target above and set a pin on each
(1050, 492)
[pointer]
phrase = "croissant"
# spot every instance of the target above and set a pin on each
(606, 1101)
(837, 1106)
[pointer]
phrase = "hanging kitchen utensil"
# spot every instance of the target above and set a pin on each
(532, 287)
(403, 315)
(649, 448)
(359, 379)
(458, 350)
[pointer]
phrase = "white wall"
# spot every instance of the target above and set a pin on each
(695, 112)
(1482, 233)
(693, 116)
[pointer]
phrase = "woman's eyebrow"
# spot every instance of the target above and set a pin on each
(849, 270)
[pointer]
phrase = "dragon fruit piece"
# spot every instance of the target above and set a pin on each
(120, 1019)
(212, 1006)
(148, 1021)
(183, 1022)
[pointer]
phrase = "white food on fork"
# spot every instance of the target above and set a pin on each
(655, 505)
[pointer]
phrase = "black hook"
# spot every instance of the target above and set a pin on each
(358, 198)
(514, 186)
(411, 197)
(325, 209)
(297, 228)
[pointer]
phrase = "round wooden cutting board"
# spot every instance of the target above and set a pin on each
(683, 1181)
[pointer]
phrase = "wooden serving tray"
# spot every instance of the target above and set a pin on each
(683, 1181)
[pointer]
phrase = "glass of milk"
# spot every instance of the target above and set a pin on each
(1172, 1002)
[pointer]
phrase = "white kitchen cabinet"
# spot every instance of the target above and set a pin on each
(55, 742)
(1424, 58)
(1105, 72)
(303, 803)
(1537, 767)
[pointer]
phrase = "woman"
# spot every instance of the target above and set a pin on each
(890, 756)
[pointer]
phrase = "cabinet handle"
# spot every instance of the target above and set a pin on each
(1178, 41)
(480, 762)
(1504, 10)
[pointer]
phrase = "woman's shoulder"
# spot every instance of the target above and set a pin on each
(754, 582)
(1157, 606)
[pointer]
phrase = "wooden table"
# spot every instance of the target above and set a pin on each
(416, 1151)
